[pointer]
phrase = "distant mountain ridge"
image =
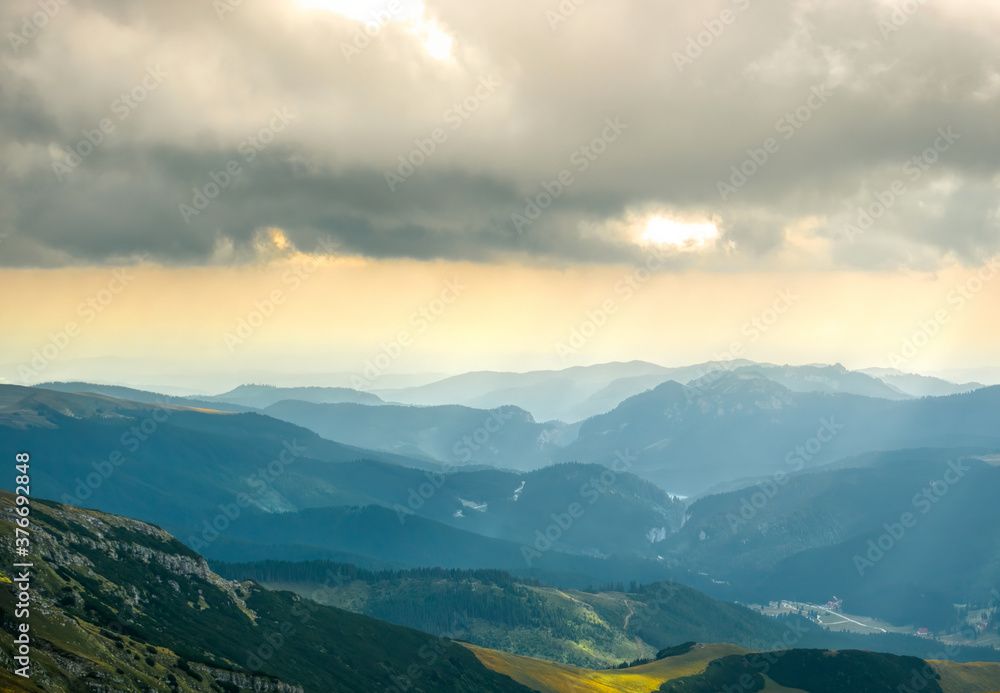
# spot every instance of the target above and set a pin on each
(145, 396)
(730, 425)
(262, 396)
(506, 437)
(920, 385)
(575, 394)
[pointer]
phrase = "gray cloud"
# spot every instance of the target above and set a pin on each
(324, 174)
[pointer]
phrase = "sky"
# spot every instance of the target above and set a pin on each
(214, 191)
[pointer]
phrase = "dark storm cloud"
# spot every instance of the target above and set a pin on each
(886, 91)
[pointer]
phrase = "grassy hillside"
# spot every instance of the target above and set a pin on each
(571, 626)
(121, 605)
(715, 668)
(598, 629)
(547, 677)
(968, 678)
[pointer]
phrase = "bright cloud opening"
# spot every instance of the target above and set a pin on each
(663, 231)
(436, 42)
(409, 12)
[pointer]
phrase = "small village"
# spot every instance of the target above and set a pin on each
(980, 626)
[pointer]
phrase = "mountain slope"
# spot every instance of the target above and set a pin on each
(133, 395)
(614, 511)
(571, 626)
(374, 535)
(919, 385)
(187, 470)
(825, 379)
(172, 465)
(121, 605)
(738, 425)
(506, 437)
(811, 536)
(261, 396)
(562, 395)
(699, 668)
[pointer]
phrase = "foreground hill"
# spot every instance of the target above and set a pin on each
(548, 677)
(696, 668)
(120, 605)
(592, 629)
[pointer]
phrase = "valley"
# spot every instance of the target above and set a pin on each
(438, 346)
(553, 572)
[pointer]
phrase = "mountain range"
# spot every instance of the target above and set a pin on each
(731, 483)
(119, 604)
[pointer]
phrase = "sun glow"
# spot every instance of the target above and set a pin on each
(686, 236)
(380, 14)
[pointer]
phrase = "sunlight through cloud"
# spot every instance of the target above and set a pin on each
(683, 235)
(409, 12)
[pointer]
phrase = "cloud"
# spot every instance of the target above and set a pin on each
(522, 95)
